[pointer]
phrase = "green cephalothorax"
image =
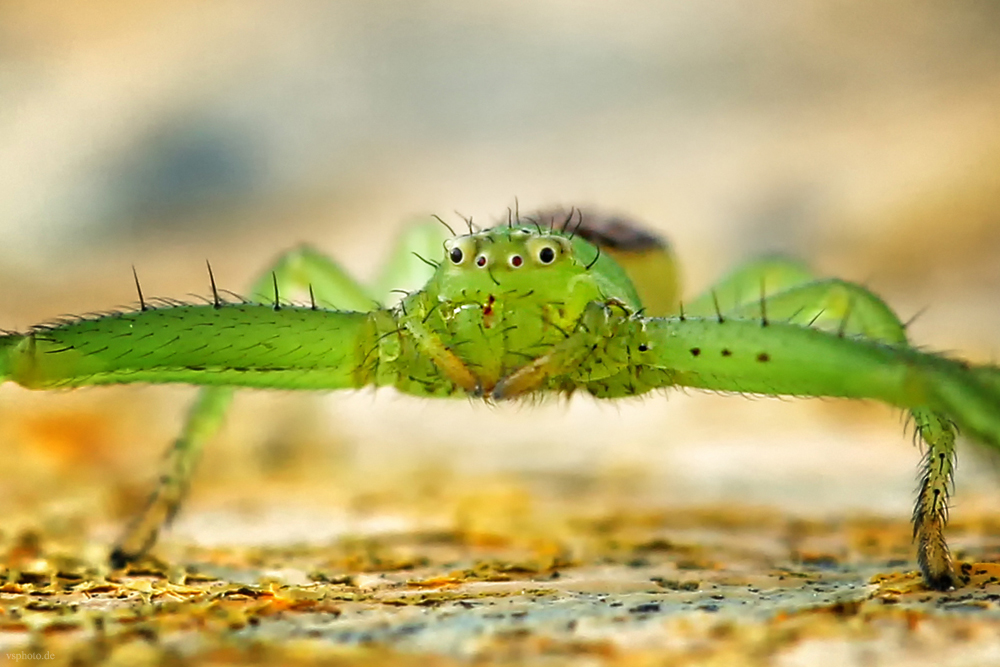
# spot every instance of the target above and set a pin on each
(520, 309)
(502, 298)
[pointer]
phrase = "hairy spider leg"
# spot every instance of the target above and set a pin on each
(787, 359)
(298, 269)
(329, 286)
(850, 311)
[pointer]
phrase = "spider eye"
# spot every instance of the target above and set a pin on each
(516, 261)
(547, 249)
(481, 261)
(456, 255)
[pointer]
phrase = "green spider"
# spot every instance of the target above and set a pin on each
(529, 306)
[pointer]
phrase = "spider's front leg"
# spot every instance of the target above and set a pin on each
(786, 291)
(832, 338)
(298, 271)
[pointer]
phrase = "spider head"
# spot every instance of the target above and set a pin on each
(549, 264)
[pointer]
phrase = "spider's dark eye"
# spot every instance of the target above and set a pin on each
(481, 260)
(546, 255)
(516, 261)
(456, 255)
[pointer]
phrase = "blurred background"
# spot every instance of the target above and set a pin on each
(863, 138)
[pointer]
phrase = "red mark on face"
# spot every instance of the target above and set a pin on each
(488, 308)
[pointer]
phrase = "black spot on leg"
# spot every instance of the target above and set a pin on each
(643, 347)
(695, 351)
(727, 353)
(763, 357)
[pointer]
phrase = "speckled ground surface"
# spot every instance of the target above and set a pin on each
(513, 577)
